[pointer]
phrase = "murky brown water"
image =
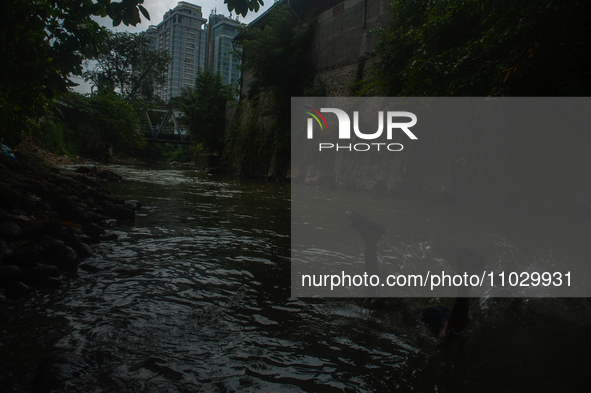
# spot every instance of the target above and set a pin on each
(195, 296)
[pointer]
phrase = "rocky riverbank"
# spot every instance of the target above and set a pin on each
(49, 221)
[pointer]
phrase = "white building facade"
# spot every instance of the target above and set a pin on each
(182, 34)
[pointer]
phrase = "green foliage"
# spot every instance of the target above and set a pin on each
(128, 65)
(277, 58)
(58, 138)
(181, 153)
(102, 121)
(241, 7)
(277, 54)
(318, 89)
(126, 11)
(115, 122)
(250, 141)
(168, 152)
(42, 42)
(476, 48)
(204, 106)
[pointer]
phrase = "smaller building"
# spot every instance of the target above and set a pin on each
(152, 35)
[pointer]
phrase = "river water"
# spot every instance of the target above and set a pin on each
(195, 296)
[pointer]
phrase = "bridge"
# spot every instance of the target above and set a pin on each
(165, 132)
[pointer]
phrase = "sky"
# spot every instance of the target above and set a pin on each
(157, 9)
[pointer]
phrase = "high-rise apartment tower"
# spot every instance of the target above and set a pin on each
(181, 33)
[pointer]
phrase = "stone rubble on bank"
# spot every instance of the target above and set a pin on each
(99, 174)
(49, 220)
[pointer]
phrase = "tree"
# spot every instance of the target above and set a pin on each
(241, 7)
(204, 106)
(128, 65)
(42, 42)
(102, 121)
(115, 122)
(476, 48)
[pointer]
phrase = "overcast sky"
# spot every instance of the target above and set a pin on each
(157, 9)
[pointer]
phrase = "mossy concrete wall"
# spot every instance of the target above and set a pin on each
(342, 46)
(340, 56)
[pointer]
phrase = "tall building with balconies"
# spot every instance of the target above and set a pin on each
(181, 33)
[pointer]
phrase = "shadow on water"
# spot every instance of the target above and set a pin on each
(195, 296)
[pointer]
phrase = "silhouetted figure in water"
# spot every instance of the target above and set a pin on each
(371, 233)
(444, 322)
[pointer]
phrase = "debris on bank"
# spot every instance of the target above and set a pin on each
(99, 174)
(6, 151)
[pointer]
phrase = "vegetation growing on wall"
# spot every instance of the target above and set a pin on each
(476, 48)
(249, 143)
(277, 58)
(493, 48)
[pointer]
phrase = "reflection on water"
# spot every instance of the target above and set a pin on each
(195, 296)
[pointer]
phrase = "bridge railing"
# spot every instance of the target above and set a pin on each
(164, 131)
